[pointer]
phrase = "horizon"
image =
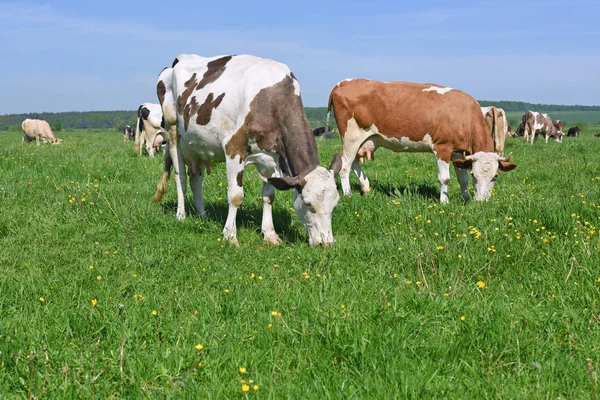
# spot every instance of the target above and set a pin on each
(75, 57)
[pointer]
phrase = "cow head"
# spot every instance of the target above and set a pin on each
(315, 197)
(558, 127)
(484, 169)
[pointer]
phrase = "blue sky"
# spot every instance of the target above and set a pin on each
(80, 55)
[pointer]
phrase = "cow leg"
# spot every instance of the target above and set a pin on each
(364, 181)
(268, 228)
(352, 140)
(143, 141)
(179, 170)
(196, 178)
(235, 195)
(444, 178)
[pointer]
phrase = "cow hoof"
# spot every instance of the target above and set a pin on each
(273, 240)
(234, 241)
(180, 216)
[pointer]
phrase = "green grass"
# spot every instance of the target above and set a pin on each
(378, 315)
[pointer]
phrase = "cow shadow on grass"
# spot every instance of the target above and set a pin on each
(248, 217)
(412, 189)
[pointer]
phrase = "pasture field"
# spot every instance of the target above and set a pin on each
(103, 294)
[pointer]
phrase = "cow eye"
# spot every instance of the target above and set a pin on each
(494, 178)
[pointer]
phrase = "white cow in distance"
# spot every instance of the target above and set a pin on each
(38, 129)
(148, 127)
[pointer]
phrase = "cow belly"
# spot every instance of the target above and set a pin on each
(397, 145)
(206, 147)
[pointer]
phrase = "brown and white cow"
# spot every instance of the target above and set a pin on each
(535, 123)
(147, 128)
(411, 117)
(244, 110)
(38, 129)
(559, 126)
(495, 119)
(128, 133)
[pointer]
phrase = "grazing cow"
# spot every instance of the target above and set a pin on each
(495, 119)
(520, 131)
(244, 110)
(411, 117)
(128, 133)
(573, 131)
(535, 123)
(320, 131)
(147, 127)
(597, 134)
(37, 129)
(559, 126)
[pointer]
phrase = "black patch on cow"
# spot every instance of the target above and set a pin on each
(140, 119)
(239, 178)
(162, 122)
(188, 110)
(190, 84)
(145, 112)
(214, 71)
(205, 110)
(161, 90)
(277, 122)
(293, 76)
(175, 61)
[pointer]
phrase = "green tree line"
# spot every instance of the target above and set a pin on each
(116, 120)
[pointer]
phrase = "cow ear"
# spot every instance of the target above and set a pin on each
(336, 165)
(506, 166)
(287, 183)
(463, 164)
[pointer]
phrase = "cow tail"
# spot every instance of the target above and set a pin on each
(138, 130)
(163, 184)
(329, 105)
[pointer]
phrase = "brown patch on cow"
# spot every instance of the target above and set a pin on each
(189, 110)
(402, 110)
(205, 110)
(161, 90)
(239, 178)
(190, 84)
(214, 71)
(277, 123)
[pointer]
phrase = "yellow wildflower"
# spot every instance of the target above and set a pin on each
(42, 299)
(440, 247)
(94, 302)
(481, 284)
(462, 318)
(199, 347)
(255, 387)
(154, 312)
(242, 370)
(91, 267)
(245, 388)
(98, 277)
(276, 313)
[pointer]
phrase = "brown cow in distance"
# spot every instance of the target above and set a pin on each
(412, 117)
(37, 129)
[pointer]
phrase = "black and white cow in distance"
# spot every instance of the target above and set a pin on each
(148, 130)
(244, 110)
(128, 133)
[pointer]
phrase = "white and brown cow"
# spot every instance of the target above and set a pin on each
(495, 119)
(411, 117)
(535, 123)
(148, 128)
(128, 133)
(244, 110)
(38, 129)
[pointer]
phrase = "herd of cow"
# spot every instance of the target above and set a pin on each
(245, 110)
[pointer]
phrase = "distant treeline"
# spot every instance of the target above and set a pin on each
(116, 120)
